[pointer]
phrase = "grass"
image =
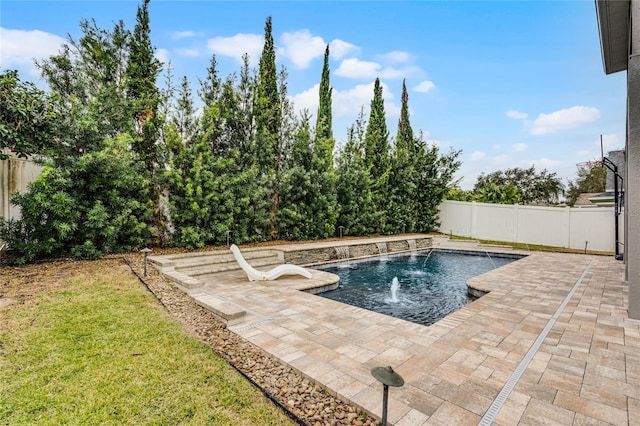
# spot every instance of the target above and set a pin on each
(532, 247)
(94, 347)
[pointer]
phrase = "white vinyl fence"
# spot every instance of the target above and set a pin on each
(15, 173)
(550, 226)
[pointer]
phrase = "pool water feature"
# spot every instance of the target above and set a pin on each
(421, 287)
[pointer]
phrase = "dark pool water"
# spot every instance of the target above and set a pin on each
(432, 284)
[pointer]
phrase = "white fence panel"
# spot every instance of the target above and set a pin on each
(455, 215)
(493, 223)
(15, 174)
(550, 226)
(543, 225)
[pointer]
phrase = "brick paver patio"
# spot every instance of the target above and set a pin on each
(584, 371)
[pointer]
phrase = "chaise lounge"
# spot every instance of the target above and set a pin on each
(273, 274)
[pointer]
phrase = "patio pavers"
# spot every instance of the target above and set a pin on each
(584, 372)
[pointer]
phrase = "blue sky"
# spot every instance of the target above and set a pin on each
(510, 83)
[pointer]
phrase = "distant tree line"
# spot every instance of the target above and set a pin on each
(133, 163)
(513, 186)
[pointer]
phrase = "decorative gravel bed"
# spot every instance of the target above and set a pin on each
(307, 402)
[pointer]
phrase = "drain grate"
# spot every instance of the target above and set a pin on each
(497, 404)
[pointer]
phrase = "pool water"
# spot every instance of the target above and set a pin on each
(430, 284)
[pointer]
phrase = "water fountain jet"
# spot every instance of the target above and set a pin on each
(395, 286)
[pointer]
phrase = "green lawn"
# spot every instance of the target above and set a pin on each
(95, 347)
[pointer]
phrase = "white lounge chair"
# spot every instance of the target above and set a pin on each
(275, 273)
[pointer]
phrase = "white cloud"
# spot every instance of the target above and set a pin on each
(237, 45)
(182, 34)
(517, 115)
(355, 68)
(21, 47)
(187, 52)
(499, 160)
(162, 55)
(519, 147)
(544, 163)
(496, 146)
(563, 119)
(309, 100)
(477, 155)
(301, 47)
(339, 49)
(346, 103)
(398, 72)
(397, 56)
(424, 87)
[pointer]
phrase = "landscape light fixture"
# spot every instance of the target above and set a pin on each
(387, 377)
(145, 250)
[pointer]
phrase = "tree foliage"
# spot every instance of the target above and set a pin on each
(354, 187)
(86, 206)
(27, 117)
(535, 188)
(247, 166)
(592, 177)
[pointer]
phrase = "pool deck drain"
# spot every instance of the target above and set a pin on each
(586, 369)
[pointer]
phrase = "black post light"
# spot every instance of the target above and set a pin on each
(387, 377)
(146, 251)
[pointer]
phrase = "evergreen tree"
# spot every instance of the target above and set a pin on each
(357, 213)
(142, 71)
(268, 117)
(434, 178)
(210, 87)
(308, 205)
(377, 154)
(401, 208)
(92, 204)
(184, 119)
(324, 142)
(88, 80)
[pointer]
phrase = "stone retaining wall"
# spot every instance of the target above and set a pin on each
(356, 250)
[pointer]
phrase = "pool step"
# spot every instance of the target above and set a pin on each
(226, 262)
(191, 270)
(229, 313)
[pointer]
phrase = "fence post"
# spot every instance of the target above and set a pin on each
(516, 223)
(474, 219)
(567, 224)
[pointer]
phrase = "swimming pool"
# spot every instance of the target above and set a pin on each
(421, 287)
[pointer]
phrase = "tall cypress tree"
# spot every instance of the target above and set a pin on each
(357, 213)
(377, 154)
(184, 117)
(405, 132)
(142, 71)
(268, 117)
(324, 142)
(268, 114)
(377, 135)
(402, 175)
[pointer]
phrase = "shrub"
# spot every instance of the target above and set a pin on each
(83, 206)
